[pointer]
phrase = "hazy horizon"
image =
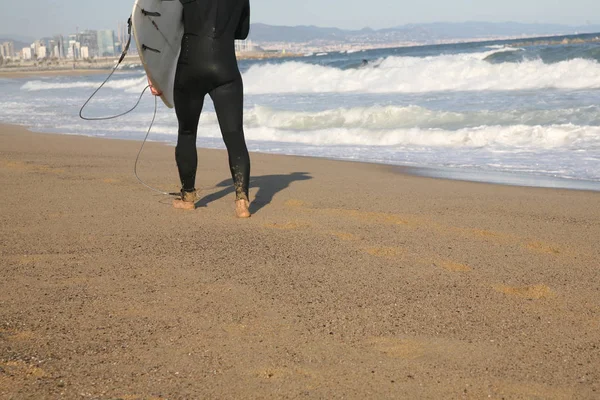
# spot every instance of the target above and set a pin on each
(41, 18)
(18, 36)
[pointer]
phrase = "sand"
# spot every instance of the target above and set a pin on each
(349, 281)
(51, 73)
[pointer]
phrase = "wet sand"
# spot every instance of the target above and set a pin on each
(350, 280)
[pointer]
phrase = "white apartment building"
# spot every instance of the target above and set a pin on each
(26, 53)
(42, 52)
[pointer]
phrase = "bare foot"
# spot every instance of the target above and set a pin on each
(241, 208)
(187, 201)
(184, 205)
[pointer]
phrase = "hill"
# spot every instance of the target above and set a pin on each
(419, 33)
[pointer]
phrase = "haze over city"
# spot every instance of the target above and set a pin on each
(38, 18)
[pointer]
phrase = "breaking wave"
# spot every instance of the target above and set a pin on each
(460, 72)
(131, 84)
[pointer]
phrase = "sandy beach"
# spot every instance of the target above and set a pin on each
(51, 73)
(349, 281)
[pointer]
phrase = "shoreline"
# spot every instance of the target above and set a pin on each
(106, 66)
(51, 73)
(502, 178)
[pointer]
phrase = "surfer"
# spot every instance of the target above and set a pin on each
(207, 65)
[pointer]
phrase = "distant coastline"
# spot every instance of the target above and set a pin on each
(50, 67)
(558, 40)
(57, 67)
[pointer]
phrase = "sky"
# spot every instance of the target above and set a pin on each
(37, 18)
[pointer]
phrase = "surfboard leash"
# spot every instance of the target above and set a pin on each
(140, 152)
(121, 58)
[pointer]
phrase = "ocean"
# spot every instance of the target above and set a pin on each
(479, 111)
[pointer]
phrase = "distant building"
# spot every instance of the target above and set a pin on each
(59, 47)
(47, 42)
(106, 43)
(26, 53)
(246, 45)
(10, 48)
(85, 52)
(69, 42)
(36, 51)
(7, 50)
(55, 46)
(42, 52)
(51, 47)
(122, 35)
(74, 51)
(89, 39)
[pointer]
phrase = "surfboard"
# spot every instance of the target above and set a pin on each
(157, 30)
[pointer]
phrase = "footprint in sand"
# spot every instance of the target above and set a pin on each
(19, 165)
(277, 374)
(348, 237)
(31, 259)
(542, 248)
(453, 266)
(408, 348)
(288, 226)
(384, 252)
(367, 216)
(16, 336)
(20, 369)
(535, 292)
(26, 259)
(529, 390)
(296, 203)
(488, 234)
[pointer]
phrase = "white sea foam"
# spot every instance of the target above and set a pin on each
(131, 84)
(503, 48)
(491, 137)
(410, 126)
(462, 72)
(394, 117)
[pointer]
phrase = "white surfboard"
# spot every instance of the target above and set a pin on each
(158, 29)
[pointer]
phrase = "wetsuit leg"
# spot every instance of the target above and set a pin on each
(188, 106)
(229, 103)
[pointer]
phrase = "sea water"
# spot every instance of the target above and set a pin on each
(528, 114)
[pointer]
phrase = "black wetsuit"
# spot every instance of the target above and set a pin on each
(207, 65)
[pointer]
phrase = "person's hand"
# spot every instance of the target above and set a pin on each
(153, 89)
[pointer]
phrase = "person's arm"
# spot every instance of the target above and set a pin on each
(243, 27)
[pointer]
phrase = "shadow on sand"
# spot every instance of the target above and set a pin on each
(268, 186)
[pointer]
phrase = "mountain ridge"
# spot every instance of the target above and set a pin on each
(422, 33)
